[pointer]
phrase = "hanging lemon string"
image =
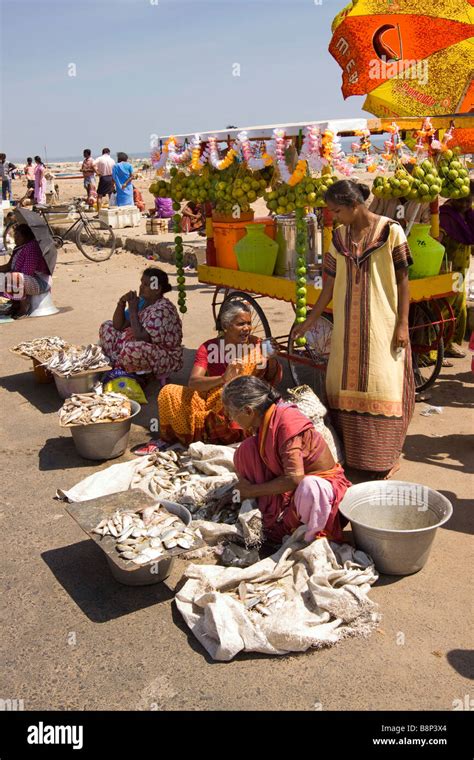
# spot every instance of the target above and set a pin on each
(301, 246)
(179, 257)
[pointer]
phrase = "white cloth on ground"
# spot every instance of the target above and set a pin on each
(216, 463)
(325, 585)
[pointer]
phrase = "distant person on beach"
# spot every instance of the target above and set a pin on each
(6, 173)
(122, 173)
(103, 167)
(29, 172)
(88, 172)
(40, 181)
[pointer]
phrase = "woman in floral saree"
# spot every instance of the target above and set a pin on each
(147, 336)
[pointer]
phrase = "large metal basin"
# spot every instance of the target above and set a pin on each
(103, 440)
(88, 513)
(80, 383)
(395, 522)
(128, 573)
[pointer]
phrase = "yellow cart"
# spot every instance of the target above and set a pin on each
(431, 321)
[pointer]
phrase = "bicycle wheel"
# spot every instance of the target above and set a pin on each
(8, 238)
(260, 326)
(427, 345)
(95, 240)
(315, 355)
(216, 303)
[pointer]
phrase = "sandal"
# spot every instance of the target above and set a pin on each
(145, 449)
(454, 352)
(447, 363)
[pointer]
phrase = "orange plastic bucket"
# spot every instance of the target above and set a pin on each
(227, 234)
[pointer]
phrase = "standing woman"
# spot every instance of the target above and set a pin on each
(40, 182)
(369, 379)
(122, 173)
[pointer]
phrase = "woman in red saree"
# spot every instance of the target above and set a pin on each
(286, 465)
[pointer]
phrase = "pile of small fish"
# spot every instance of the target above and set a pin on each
(265, 598)
(77, 359)
(145, 536)
(89, 408)
(41, 349)
(172, 475)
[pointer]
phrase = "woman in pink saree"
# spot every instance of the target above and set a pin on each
(286, 465)
(40, 182)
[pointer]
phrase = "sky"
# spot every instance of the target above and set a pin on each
(95, 73)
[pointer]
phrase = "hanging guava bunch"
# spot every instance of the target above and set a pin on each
(426, 182)
(400, 182)
(237, 186)
(396, 186)
(160, 188)
(301, 246)
(454, 176)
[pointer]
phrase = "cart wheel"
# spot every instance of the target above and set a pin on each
(260, 326)
(216, 304)
(427, 346)
(317, 349)
(446, 313)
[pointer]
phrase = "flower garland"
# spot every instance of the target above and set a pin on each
(198, 161)
(213, 155)
(253, 163)
(299, 171)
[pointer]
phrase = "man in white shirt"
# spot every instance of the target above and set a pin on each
(103, 167)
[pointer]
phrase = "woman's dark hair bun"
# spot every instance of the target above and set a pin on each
(274, 396)
(364, 190)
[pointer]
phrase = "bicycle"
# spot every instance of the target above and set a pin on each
(94, 238)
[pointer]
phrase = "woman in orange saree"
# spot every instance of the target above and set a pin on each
(195, 412)
(286, 465)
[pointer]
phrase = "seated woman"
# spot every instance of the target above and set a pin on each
(26, 274)
(195, 413)
(147, 336)
(286, 465)
(192, 219)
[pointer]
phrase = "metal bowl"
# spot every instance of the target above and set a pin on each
(157, 570)
(103, 440)
(395, 522)
(81, 383)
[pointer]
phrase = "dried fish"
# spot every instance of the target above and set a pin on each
(41, 349)
(145, 536)
(83, 409)
(75, 359)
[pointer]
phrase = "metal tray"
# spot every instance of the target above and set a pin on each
(89, 513)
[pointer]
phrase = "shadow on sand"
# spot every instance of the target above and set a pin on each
(82, 571)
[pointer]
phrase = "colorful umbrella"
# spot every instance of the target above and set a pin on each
(408, 57)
